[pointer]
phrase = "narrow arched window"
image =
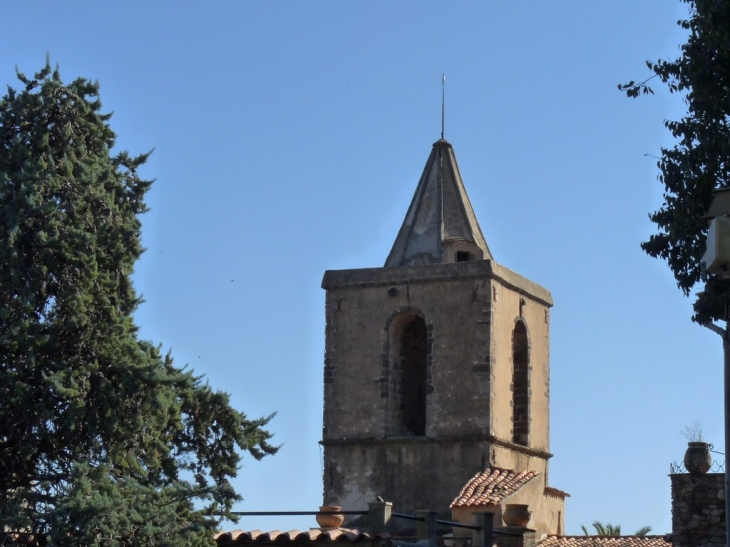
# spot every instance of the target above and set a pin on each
(520, 385)
(413, 360)
(407, 393)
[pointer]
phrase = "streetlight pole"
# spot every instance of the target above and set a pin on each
(726, 359)
(716, 261)
(726, 372)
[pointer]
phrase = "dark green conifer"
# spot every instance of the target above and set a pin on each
(103, 440)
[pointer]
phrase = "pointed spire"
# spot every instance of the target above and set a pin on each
(440, 225)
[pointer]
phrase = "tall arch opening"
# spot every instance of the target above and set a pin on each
(408, 376)
(520, 385)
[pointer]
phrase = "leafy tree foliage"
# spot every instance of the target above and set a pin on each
(613, 529)
(103, 441)
(699, 162)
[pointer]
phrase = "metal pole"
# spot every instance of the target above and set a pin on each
(426, 527)
(484, 536)
(443, 100)
(726, 396)
(726, 355)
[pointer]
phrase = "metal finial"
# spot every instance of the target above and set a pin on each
(443, 86)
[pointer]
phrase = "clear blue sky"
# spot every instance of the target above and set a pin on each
(289, 138)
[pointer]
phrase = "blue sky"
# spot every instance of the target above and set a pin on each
(289, 138)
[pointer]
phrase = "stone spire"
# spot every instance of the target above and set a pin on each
(440, 225)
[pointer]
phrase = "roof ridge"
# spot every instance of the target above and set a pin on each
(604, 536)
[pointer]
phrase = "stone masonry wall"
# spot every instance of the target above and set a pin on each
(698, 510)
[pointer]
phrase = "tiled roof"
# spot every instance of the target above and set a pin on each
(606, 541)
(550, 491)
(341, 535)
(491, 486)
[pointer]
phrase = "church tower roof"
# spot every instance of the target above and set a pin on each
(440, 225)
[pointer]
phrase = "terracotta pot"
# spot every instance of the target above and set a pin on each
(330, 521)
(697, 459)
(516, 514)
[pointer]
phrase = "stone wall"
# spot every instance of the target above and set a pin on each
(514, 536)
(698, 510)
(468, 312)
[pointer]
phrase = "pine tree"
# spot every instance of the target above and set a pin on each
(103, 440)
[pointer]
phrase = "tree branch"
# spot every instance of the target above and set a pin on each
(714, 328)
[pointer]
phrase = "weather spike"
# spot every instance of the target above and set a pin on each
(443, 85)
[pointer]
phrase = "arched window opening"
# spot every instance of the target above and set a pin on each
(407, 393)
(460, 250)
(520, 385)
(413, 360)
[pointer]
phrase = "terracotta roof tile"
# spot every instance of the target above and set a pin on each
(606, 541)
(551, 491)
(491, 486)
(257, 537)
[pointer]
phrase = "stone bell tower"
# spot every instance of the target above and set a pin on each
(437, 364)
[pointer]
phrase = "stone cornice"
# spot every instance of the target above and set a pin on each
(476, 269)
(446, 439)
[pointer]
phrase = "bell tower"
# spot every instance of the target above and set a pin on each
(437, 364)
